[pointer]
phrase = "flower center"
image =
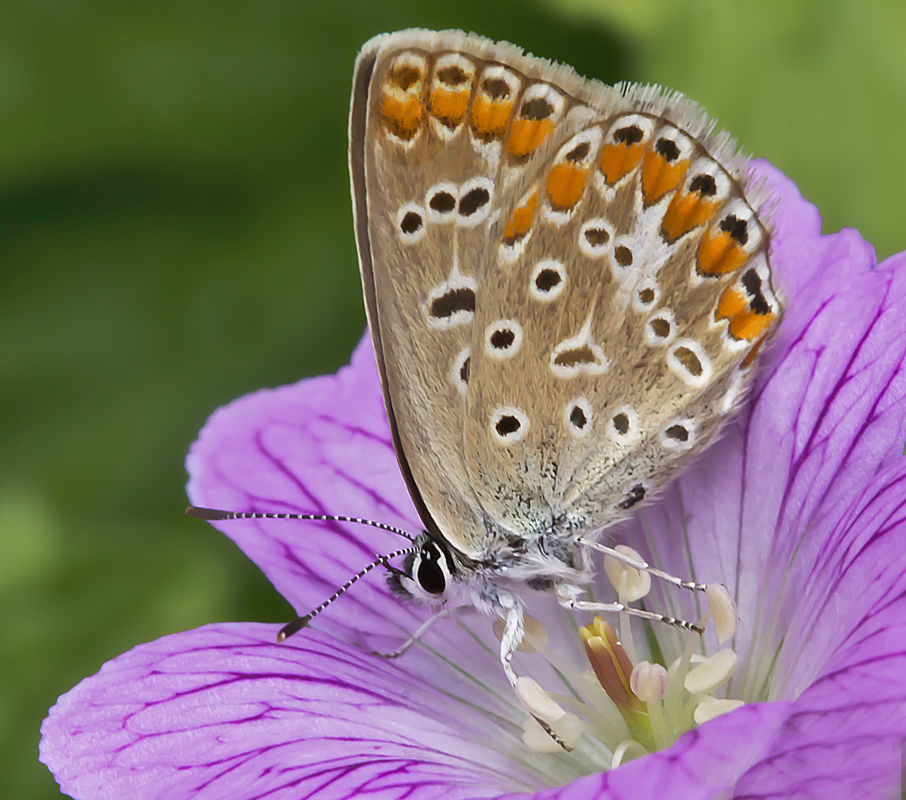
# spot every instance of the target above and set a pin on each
(627, 707)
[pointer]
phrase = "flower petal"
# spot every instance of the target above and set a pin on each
(318, 446)
(224, 712)
(778, 510)
(830, 416)
(856, 575)
(849, 722)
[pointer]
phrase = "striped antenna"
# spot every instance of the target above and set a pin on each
(213, 514)
(300, 622)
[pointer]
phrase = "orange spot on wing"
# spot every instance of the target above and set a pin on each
(449, 107)
(687, 210)
(719, 254)
(490, 118)
(660, 177)
(618, 160)
(750, 325)
(565, 184)
(527, 135)
(403, 116)
(520, 223)
(744, 323)
(731, 302)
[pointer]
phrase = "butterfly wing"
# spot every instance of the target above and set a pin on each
(618, 318)
(430, 115)
(566, 282)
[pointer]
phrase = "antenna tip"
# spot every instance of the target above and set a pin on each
(293, 627)
(206, 513)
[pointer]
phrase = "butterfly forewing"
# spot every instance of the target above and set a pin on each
(429, 120)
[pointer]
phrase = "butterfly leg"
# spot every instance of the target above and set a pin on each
(415, 637)
(567, 596)
(513, 631)
(510, 610)
(642, 565)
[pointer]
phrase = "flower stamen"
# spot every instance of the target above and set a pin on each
(537, 701)
(628, 705)
(711, 673)
(649, 682)
(723, 609)
(631, 583)
(711, 707)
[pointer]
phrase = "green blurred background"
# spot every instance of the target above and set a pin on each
(175, 232)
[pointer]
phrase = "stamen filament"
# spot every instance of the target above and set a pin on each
(625, 624)
(677, 675)
(619, 755)
(658, 724)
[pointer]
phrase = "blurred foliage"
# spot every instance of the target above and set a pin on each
(175, 231)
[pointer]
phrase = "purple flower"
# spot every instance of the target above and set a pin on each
(800, 509)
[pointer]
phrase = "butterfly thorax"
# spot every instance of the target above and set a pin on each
(438, 574)
(540, 559)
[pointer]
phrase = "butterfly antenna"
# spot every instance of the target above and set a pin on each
(213, 515)
(300, 622)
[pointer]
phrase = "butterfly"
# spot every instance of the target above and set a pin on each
(567, 284)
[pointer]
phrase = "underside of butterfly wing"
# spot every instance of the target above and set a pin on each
(440, 135)
(617, 320)
(566, 282)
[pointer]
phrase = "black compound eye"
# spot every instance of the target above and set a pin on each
(430, 576)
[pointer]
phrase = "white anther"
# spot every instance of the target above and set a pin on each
(631, 584)
(537, 701)
(723, 610)
(538, 739)
(569, 728)
(711, 707)
(711, 672)
(649, 682)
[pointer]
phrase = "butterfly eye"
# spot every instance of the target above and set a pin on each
(430, 574)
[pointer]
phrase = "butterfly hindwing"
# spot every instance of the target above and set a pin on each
(637, 290)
